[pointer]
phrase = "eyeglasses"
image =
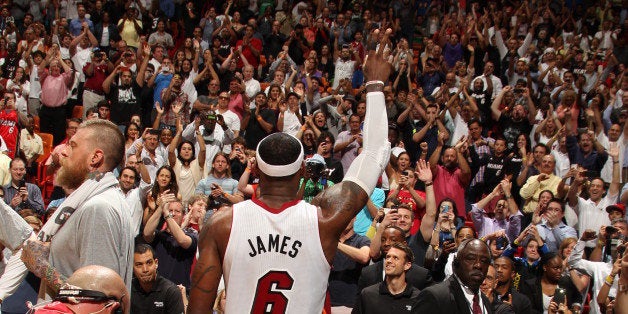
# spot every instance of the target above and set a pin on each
(223, 97)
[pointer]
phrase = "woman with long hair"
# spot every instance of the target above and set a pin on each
(177, 62)
(20, 85)
(187, 166)
(165, 182)
(188, 48)
(131, 133)
(219, 185)
(548, 128)
(326, 63)
(396, 168)
(275, 96)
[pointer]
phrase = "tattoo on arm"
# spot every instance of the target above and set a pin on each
(54, 279)
(199, 274)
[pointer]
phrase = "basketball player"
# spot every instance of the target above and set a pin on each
(275, 251)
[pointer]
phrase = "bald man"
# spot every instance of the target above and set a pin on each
(91, 289)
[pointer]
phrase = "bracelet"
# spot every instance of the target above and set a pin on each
(303, 128)
(429, 183)
(516, 242)
(170, 215)
(609, 280)
(247, 169)
(225, 194)
(258, 118)
(615, 162)
(600, 242)
(374, 86)
(508, 196)
(622, 287)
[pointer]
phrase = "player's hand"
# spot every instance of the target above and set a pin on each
(376, 67)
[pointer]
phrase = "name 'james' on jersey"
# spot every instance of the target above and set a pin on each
(274, 261)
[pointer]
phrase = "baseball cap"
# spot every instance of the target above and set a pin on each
(618, 207)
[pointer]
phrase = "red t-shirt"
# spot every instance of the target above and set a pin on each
(405, 197)
(447, 184)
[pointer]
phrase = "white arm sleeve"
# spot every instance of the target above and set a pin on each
(366, 169)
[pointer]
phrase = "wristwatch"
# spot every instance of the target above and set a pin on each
(170, 215)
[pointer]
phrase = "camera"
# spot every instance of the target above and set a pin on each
(315, 169)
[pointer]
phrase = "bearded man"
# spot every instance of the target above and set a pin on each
(452, 176)
(93, 225)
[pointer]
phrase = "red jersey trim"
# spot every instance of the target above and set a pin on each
(275, 210)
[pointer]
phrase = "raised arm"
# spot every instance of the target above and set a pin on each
(184, 240)
(139, 79)
(172, 156)
(106, 85)
(341, 202)
(424, 173)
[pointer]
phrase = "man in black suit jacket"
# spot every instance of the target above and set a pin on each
(455, 295)
(416, 276)
(505, 270)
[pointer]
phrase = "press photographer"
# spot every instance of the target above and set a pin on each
(314, 178)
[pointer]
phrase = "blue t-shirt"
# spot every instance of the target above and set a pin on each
(161, 82)
(364, 219)
(227, 184)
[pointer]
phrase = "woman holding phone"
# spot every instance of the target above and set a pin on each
(396, 169)
(404, 193)
(552, 286)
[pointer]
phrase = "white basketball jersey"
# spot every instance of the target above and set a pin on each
(274, 261)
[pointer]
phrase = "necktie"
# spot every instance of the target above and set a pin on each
(476, 309)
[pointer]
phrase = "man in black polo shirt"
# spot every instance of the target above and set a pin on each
(393, 295)
(151, 293)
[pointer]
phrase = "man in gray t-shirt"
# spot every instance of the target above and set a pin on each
(93, 225)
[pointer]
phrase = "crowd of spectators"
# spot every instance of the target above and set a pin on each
(519, 109)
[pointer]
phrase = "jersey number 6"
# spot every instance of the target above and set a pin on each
(267, 300)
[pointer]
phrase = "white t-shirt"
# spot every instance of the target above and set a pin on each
(344, 69)
(252, 88)
(291, 123)
(80, 59)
